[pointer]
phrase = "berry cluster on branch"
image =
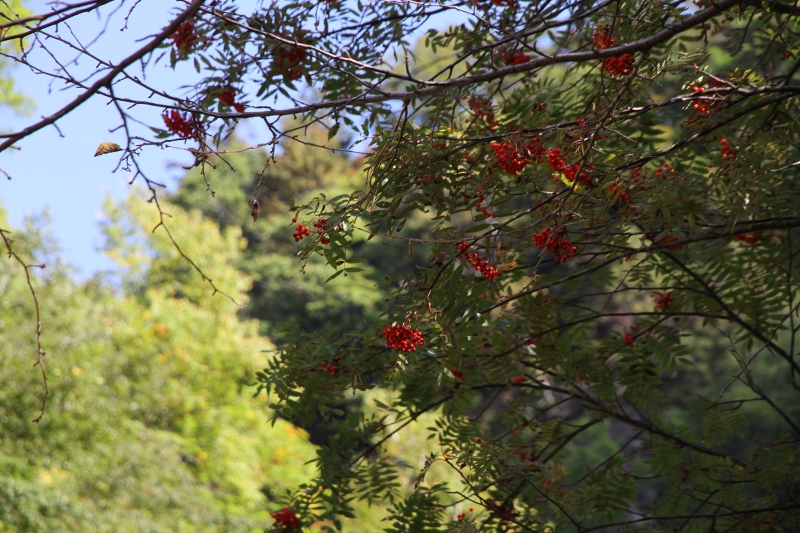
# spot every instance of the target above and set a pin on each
(749, 238)
(403, 338)
(182, 125)
(556, 242)
(289, 62)
(536, 148)
(569, 172)
(621, 65)
(517, 58)
(508, 158)
(664, 300)
(482, 110)
(704, 106)
(617, 193)
(484, 208)
(329, 368)
(300, 232)
(227, 96)
(728, 153)
(478, 263)
(630, 341)
(286, 521)
(185, 38)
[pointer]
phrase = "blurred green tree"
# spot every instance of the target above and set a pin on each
(151, 424)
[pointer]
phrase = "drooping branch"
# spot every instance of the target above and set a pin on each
(40, 353)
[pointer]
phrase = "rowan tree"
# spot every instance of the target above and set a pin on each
(608, 188)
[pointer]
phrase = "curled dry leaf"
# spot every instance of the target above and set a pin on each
(255, 211)
(107, 148)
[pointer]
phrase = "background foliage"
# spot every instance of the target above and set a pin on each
(151, 426)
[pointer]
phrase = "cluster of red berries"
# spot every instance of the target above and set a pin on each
(638, 180)
(555, 242)
(403, 338)
(728, 153)
(603, 39)
(572, 170)
(457, 374)
(461, 516)
(329, 367)
(749, 238)
(519, 379)
(618, 66)
(557, 164)
(300, 231)
(289, 62)
(628, 339)
(515, 59)
(478, 263)
(319, 224)
(286, 520)
(182, 125)
(228, 97)
(554, 159)
(617, 193)
(704, 106)
(185, 38)
(482, 109)
(664, 300)
(662, 170)
(508, 158)
(536, 148)
(484, 209)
